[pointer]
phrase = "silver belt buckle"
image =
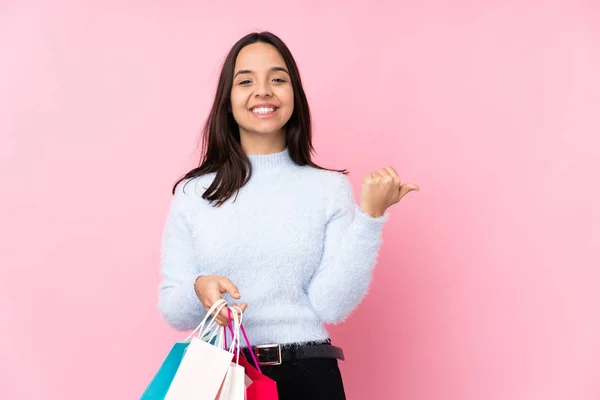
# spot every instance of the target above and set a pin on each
(268, 346)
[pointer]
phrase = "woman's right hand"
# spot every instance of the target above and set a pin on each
(210, 288)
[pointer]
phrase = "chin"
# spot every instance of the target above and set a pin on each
(265, 130)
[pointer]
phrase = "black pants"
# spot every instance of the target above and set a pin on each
(316, 379)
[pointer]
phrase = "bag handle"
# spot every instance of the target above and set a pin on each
(219, 304)
(235, 342)
(213, 323)
(222, 344)
(235, 334)
(241, 328)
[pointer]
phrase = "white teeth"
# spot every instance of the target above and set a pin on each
(262, 110)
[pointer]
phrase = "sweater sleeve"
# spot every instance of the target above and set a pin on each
(177, 300)
(352, 242)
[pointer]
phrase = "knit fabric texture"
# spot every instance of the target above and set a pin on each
(293, 241)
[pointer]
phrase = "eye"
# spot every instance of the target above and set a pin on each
(279, 80)
(245, 82)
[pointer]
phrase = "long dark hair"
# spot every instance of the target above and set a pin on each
(221, 148)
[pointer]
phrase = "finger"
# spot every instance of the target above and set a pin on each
(234, 310)
(224, 314)
(384, 172)
(243, 307)
(392, 171)
(226, 286)
(220, 319)
(211, 298)
(220, 314)
(239, 308)
(406, 188)
(372, 176)
(208, 305)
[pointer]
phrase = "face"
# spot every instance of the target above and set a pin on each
(262, 98)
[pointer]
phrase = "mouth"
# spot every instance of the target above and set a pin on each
(263, 109)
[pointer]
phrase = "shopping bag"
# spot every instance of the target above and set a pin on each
(258, 386)
(234, 387)
(204, 366)
(160, 384)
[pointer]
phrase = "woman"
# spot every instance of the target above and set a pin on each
(260, 224)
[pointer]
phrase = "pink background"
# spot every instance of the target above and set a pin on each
(488, 281)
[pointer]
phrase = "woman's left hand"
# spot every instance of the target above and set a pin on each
(382, 189)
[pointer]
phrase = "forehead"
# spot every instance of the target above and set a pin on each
(259, 56)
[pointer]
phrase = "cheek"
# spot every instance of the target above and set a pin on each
(238, 104)
(236, 101)
(289, 99)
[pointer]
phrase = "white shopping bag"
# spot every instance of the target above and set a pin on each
(204, 366)
(234, 387)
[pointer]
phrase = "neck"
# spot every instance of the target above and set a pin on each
(253, 144)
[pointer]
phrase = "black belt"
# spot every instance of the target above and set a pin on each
(275, 354)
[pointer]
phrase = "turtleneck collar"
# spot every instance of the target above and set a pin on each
(271, 162)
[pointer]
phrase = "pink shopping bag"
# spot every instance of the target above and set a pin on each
(258, 385)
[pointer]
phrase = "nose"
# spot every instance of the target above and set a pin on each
(263, 89)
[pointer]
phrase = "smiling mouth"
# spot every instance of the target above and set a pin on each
(263, 110)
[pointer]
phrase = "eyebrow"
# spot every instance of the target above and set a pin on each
(274, 69)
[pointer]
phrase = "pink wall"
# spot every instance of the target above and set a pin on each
(487, 286)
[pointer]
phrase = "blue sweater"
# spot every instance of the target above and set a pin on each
(294, 242)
